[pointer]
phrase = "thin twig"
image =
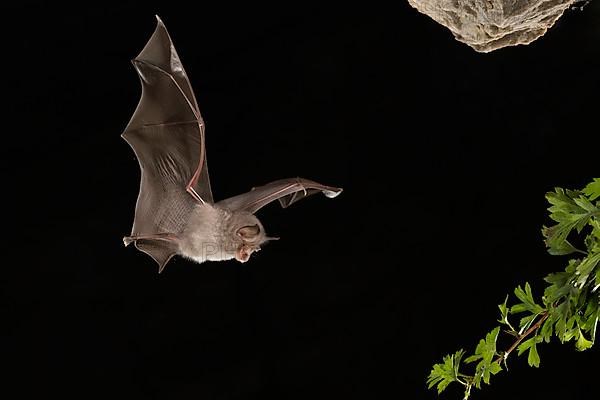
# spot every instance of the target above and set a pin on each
(528, 332)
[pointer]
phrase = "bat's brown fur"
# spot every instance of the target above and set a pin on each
(215, 234)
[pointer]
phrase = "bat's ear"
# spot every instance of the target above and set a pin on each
(248, 232)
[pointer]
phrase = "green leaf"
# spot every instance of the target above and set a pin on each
(504, 311)
(495, 368)
(555, 292)
(561, 313)
(556, 238)
(585, 268)
(595, 228)
(585, 204)
(445, 373)
(534, 358)
(523, 347)
(558, 247)
(485, 353)
(528, 303)
(572, 211)
(591, 317)
(592, 190)
(592, 243)
(582, 343)
(546, 331)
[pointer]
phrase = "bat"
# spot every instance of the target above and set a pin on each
(175, 213)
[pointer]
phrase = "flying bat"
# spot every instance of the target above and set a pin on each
(175, 212)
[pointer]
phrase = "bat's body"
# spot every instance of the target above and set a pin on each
(175, 212)
(211, 235)
(207, 235)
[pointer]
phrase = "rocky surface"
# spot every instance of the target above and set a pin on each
(487, 25)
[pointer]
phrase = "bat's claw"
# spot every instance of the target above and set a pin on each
(127, 240)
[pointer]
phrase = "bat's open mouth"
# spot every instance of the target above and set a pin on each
(243, 254)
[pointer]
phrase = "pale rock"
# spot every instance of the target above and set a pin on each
(487, 25)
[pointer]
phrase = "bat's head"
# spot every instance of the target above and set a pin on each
(249, 235)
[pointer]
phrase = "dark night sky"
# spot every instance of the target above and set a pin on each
(444, 154)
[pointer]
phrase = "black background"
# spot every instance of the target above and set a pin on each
(444, 154)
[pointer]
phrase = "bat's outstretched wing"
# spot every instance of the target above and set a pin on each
(166, 133)
(287, 191)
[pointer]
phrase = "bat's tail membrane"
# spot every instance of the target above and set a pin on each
(159, 250)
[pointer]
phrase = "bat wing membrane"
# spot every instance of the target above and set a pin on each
(286, 191)
(166, 133)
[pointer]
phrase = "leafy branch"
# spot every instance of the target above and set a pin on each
(568, 310)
